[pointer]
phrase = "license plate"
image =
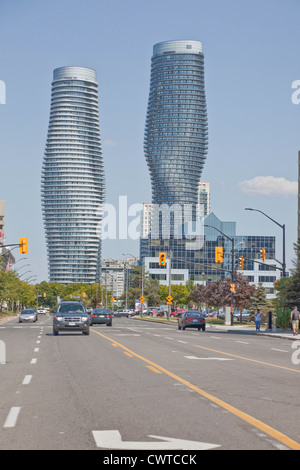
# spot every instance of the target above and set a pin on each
(195, 321)
(102, 316)
(71, 323)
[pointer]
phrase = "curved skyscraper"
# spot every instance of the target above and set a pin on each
(175, 147)
(73, 178)
(176, 124)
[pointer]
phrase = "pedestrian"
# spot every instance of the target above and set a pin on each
(295, 320)
(257, 320)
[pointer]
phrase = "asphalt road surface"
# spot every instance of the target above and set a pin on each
(139, 385)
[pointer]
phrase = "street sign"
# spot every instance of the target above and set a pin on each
(169, 298)
(142, 299)
(112, 299)
(169, 303)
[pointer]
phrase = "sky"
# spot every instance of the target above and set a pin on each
(251, 52)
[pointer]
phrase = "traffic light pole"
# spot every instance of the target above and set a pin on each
(283, 237)
(232, 268)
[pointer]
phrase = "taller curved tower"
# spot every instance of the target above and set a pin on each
(73, 178)
(176, 124)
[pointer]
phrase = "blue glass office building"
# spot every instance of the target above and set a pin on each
(73, 178)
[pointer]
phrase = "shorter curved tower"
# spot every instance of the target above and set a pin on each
(73, 178)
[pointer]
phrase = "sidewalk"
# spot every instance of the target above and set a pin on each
(238, 329)
(250, 330)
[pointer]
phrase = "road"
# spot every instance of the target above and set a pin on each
(146, 386)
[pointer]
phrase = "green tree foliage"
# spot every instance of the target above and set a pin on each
(288, 288)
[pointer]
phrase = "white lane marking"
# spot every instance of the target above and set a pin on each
(184, 342)
(27, 379)
(208, 358)
(279, 350)
(33, 360)
(242, 342)
(12, 417)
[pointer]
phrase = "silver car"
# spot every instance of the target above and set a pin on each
(28, 315)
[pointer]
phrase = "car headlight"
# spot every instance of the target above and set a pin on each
(58, 318)
(84, 318)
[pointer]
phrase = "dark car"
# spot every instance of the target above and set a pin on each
(192, 319)
(71, 316)
(101, 316)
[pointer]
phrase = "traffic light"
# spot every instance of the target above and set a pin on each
(162, 258)
(263, 254)
(232, 287)
(241, 262)
(23, 246)
(219, 254)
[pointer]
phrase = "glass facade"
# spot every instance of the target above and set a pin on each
(176, 124)
(200, 260)
(73, 178)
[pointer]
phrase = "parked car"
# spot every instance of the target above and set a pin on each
(191, 319)
(101, 316)
(177, 313)
(245, 315)
(28, 315)
(153, 311)
(71, 316)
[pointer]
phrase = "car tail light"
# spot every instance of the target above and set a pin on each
(109, 316)
(188, 319)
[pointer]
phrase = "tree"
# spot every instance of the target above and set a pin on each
(288, 288)
(259, 301)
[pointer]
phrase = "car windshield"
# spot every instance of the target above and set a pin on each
(27, 311)
(194, 315)
(70, 308)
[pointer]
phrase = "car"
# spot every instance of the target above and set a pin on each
(192, 319)
(101, 316)
(244, 315)
(153, 311)
(71, 316)
(177, 313)
(123, 313)
(42, 310)
(28, 315)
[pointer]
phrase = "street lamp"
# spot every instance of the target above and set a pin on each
(135, 257)
(283, 237)
(17, 270)
(25, 273)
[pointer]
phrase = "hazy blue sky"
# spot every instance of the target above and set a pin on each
(251, 59)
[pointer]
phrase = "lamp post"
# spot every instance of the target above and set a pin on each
(232, 267)
(283, 237)
(142, 274)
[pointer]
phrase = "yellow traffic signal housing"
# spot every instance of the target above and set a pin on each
(241, 262)
(263, 254)
(232, 287)
(219, 254)
(23, 246)
(162, 257)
